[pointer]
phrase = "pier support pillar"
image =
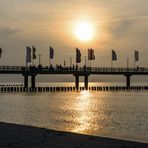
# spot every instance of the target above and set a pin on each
(77, 82)
(33, 81)
(25, 81)
(86, 82)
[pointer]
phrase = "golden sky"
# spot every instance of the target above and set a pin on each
(118, 24)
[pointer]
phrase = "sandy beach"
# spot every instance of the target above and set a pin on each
(21, 136)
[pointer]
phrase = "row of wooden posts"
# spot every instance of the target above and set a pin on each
(66, 89)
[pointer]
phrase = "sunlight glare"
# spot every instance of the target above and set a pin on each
(84, 31)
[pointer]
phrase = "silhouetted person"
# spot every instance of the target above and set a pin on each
(137, 67)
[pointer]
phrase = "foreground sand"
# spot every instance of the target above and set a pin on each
(20, 136)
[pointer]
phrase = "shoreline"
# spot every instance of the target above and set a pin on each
(22, 136)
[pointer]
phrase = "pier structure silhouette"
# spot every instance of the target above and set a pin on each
(76, 71)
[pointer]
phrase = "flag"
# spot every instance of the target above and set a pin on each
(33, 52)
(136, 55)
(91, 55)
(114, 56)
(28, 54)
(0, 52)
(51, 52)
(78, 56)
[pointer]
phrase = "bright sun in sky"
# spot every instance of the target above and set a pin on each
(84, 31)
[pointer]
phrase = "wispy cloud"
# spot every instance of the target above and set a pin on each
(123, 19)
(7, 31)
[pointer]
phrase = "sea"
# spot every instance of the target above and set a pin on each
(114, 114)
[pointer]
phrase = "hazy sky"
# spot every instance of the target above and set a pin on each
(119, 24)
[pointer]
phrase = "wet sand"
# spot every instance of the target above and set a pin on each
(21, 136)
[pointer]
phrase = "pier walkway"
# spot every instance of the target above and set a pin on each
(76, 71)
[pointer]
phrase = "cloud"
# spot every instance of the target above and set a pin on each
(137, 18)
(127, 27)
(121, 29)
(7, 32)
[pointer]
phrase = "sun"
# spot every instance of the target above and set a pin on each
(84, 31)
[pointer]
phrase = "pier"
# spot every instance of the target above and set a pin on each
(76, 71)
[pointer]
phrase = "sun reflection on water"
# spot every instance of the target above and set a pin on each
(85, 117)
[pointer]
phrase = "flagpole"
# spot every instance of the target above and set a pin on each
(64, 63)
(111, 59)
(32, 61)
(90, 63)
(32, 56)
(85, 59)
(127, 63)
(70, 61)
(26, 61)
(111, 63)
(39, 59)
(76, 60)
(134, 60)
(49, 61)
(134, 63)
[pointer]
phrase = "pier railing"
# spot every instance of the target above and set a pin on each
(21, 69)
(11, 68)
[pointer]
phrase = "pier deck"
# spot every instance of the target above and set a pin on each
(75, 71)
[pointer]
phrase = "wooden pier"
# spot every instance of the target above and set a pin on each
(76, 71)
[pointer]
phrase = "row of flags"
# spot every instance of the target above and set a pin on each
(136, 55)
(31, 53)
(91, 55)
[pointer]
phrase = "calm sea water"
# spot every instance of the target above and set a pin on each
(121, 115)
